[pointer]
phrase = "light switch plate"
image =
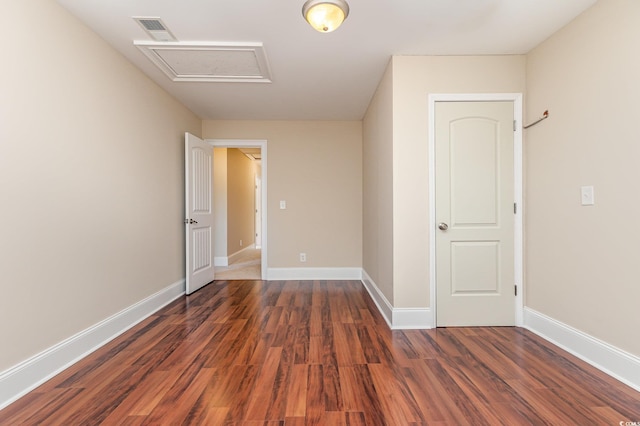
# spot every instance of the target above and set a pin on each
(586, 195)
(283, 204)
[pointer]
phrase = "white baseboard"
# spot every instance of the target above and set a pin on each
(232, 258)
(412, 318)
(385, 308)
(397, 318)
(314, 274)
(611, 360)
(221, 261)
(225, 261)
(31, 373)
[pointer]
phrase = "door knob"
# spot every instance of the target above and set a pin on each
(443, 226)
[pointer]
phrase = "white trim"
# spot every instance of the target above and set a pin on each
(397, 318)
(615, 362)
(237, 254)
(224, 261)
(262, 144)
(220, 261)
(516, 98)
(283, 274)
(412, 318)
(31, 373)
(385, 308)
(518, 230)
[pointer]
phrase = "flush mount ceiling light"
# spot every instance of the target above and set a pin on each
(325, 15)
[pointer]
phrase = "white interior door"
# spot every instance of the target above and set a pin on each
(474, 214)
(198, 213)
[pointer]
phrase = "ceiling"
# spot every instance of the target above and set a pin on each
(252, 153)
(318, 76)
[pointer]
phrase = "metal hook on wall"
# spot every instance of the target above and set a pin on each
(545, 115)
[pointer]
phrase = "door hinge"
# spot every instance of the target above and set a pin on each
(515, 208)
(514, 125)
(516, 289)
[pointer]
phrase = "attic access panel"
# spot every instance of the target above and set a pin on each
(209, 62)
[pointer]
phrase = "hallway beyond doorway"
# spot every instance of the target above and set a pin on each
(245, 267)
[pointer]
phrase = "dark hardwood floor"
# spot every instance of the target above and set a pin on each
(318, 352)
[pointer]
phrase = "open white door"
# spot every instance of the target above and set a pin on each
(198, 164)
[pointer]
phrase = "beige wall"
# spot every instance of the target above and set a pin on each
(240, 201)
(414, 78)
(91, 180)
(316, 167)
(581, 262)
(220, 202)
(377, 190)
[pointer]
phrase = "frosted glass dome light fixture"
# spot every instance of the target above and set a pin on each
(325, 15)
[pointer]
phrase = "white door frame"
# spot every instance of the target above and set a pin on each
(516, 98)
(253, 143)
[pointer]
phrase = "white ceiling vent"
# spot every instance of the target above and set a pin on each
(209, 62)
(155, 28)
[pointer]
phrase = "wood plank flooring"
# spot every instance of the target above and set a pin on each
(319, 353)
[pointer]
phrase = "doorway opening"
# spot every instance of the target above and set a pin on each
(241, 254)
